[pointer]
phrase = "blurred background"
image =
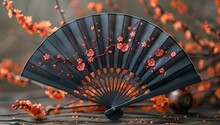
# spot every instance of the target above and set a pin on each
(18, 45)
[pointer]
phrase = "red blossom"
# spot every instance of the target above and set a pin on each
(144, 44)
(177, 25)
(154, 3)
(162, 70)
(91, 6)
(84, 45)
(161, 103)
(36, 110)
(132, 34)
(166, 17)
(58, 56)
(42, 28)
(173, 54)
(53, 94)
(90, 53)
(123, 47)
(91, 59)
(151, 62)
(120, 39)
(159, 52)
(81, 65)
(46, 57)
(188, 34)
(207, 27)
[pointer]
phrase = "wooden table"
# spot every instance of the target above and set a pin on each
(206, 114)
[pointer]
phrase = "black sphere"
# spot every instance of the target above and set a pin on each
(180, 101)
(116, 115)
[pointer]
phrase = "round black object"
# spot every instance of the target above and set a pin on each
(116, 115)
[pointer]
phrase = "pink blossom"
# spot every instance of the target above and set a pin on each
(81, 65)
(151, 62)
(92, 27)
(132, 34)
(90, 53)
(79, 60)
(120, 39)
(110, 52)
(144, 44)
(162, 70)
(84, 45)
(159, 52)
(91, 59)
(58, 56)
(46, 57)
(173, 54)
(123, 47)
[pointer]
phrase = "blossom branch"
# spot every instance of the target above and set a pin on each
(42, 28)
(166, 17)
(57, 7)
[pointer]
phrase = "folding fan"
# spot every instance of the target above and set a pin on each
(113, 60)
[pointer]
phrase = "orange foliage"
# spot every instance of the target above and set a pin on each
(36, 110)
(161, 103)
(53, 94)
(9, 70)
(98, 7)
(179, 5)
(42, 28)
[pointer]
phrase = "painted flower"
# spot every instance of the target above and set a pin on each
(58, 56)
(46, 57)
(144, 44)
(173, 54)
(81, 65)
(92, 27)
(120, 39)
(129, 28)
(162, 70)
(90, 53)
(151, 62)
(159, 52)
(84, 45)
(91, 59)
(123, 47)
(132, 34)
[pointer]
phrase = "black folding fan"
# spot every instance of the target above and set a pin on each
(113, 60)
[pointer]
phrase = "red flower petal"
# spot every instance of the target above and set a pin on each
(46, 57)
(159, 52)
(90, 53)
(120, 39)
(173, 54)
(151, 62)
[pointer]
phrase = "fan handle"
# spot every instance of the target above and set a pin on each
(113, 114)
